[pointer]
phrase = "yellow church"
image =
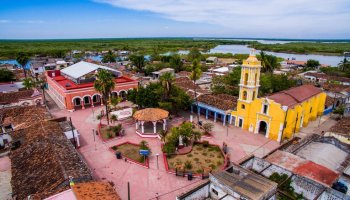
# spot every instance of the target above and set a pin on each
(279, 115)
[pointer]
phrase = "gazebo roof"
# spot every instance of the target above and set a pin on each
(151, 114)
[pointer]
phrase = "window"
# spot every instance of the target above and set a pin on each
(243, 106)
(253, 96)
(244, 95)
(245, 78)
(214, 191)
(265, 108)
(310, 109)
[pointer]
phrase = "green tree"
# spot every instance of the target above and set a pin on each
(104, 84)
(109, 57)
(114, 101)
(227, 84)
(268, 62)
(23, 60)
(29, 83)
(6, 75)
(176, 63)
(344, 65)
(271, 83)
(138, 61)
(312, 64)
(194, 54)
(167, 80)
(196, 73)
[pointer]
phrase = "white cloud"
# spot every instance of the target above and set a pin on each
(254, 17)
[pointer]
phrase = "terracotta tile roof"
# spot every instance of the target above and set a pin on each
(12, 97)
(22, 117)
(43, 163)
(95, 191)
(151, 114)
(221, 101)
(342, 126)
(336, 87)
(295, 95)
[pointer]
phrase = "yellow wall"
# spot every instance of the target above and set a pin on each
(275, 116)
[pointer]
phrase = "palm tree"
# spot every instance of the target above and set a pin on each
(176, 62)
(104, 84)
(23, 59)
(28, 83)
(162, 135)
(138, 61)
(344, 64)
(166, 80)
(196, 73)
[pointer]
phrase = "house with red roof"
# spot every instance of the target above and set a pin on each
(73, 87)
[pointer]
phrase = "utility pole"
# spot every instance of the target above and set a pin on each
(93, 134)
(71, 125)
(128, 191)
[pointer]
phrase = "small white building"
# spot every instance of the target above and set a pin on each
(211, 60)
(159, 73)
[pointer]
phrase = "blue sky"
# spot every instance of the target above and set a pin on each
(42, 19)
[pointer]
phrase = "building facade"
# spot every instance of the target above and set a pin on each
(279, 115)
(73, 88)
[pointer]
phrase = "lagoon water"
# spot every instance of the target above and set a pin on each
(244, 49)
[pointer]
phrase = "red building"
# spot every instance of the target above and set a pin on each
(73, 86)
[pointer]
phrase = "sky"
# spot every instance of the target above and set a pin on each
(61, 19)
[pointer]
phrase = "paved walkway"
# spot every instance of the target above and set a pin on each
(320, 124)
(149, 183)
(5, 178)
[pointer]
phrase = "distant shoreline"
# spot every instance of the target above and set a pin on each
(189, 38)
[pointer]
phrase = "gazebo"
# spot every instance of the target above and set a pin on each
(153, 115)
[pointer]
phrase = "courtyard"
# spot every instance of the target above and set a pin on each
(154, 182)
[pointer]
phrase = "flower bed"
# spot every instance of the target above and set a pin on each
(130, 151)
(203, 157)
(107, 133)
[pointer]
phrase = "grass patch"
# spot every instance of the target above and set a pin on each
(131, 151)
(200, 160)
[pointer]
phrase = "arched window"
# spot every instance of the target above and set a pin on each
(245, 78)
(243, 106)
(253, 96)
(244, 95)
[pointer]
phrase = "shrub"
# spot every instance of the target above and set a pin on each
(189, 155)
(98, 116)
(205, 144)
(196, 159)
(204, 153)
(144, 146)
(208, 127)
(212, 166)
(169, 148)
(219, 163)
(188, 164)
(114, 148)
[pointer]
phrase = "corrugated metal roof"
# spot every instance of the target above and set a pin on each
(81, 68)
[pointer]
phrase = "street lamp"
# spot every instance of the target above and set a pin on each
(157, 160)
